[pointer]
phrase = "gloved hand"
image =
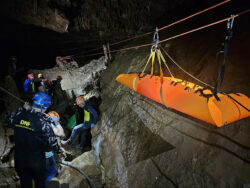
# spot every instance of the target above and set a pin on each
(92, 125)
(27, 106)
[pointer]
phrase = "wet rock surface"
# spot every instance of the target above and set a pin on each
(81, 81)
(143, 144)
(139, 143)
(89, 164)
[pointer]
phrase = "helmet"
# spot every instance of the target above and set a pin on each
(54, 114)
(30, 75)
(41, 100)
(79, 100)
(40, 75)
(64, 61)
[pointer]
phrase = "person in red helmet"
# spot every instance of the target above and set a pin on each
(29, 85)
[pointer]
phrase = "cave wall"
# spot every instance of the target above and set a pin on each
(102, 17)
(143, 144)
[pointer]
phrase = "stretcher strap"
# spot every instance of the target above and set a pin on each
(153, 59)
(151, 54)
(159, 60)
(164, 61)
(134, 80)
(185, 70)
(161, 95)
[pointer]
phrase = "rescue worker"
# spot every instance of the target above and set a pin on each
(58, 95)
(41, 79)
(51, 169)
(33, 135)
(28, 85)
(44, 85)
(88, 116)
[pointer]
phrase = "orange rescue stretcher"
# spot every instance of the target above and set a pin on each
(189, 98)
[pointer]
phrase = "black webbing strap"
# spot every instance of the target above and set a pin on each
(224, 49)
(207, 96)
(237, 101)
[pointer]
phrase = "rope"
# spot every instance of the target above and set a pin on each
(17, 98)
(205, 10)
(237, 102)
(173, 37)
(164, 27)
(197, 29)
(164, 61)
(184, 69)
(90, 182)
(224, 49)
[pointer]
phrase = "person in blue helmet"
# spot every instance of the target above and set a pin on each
(33, 136)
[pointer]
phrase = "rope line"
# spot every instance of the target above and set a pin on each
(173, 37)
(164, 27)
(91, 183)
(197, 29)
(19, 99)
(165, 63)
(184, 69)
(205, 10)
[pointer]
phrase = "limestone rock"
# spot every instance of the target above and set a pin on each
(82, 81)
(89, 164)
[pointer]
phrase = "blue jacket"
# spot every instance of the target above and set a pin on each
(28, 85)
(92, 111)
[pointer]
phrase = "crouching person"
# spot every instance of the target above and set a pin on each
(33, 135)
(86, 119)
(51, 169)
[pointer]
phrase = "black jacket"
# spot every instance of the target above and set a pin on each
(33, 136)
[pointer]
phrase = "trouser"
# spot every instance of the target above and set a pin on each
(84, 135)
(51, 169)
(81, 128)
(26, 175)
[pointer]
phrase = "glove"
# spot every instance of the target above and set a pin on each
(92, 125)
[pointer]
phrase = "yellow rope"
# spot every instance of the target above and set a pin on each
(185, 70)
(144, 59)
(159, 60)
(153, 59)
(147, 62)
(164, 61)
